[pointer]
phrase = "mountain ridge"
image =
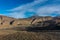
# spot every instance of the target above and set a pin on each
(38, 21)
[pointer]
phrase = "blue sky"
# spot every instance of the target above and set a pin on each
(27, 8)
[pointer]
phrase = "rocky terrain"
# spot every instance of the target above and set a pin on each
(32, 28)
(34, 21)
(24, 35)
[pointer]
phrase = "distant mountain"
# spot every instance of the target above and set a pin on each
(34, 21)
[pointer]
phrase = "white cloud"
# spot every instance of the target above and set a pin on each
(48, 10)
(27, 6)
(19, 12)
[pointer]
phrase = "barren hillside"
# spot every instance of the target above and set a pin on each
(8, 22)
(33, 28)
